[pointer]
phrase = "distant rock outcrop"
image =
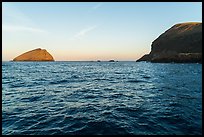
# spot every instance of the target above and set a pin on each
(35, 55)
(111, 60)
(181, 43)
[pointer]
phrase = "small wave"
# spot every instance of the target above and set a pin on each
(166, 87)
(77, 128)
(98, 79)
(40, 79)
(187, 96)
(107, 113)
(6, 82)
(57, 91)
(116, 95)
(59, 82)
(146, 77)
(90, 96)
(118, 73)
(109, 89)
(17, 85)
(136, 81)
(55, 72)
(75, 76)
(31, 99)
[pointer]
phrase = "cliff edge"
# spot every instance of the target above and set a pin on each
(182, 43)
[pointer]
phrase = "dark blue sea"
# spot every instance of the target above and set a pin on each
(106, 98)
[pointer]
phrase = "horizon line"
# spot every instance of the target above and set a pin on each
(70, 61)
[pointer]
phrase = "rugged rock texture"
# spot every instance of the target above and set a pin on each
(35, 55)
(180, 43)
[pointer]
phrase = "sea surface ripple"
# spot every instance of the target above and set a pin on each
(105, 98)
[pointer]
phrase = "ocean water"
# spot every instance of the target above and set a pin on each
(106, 98)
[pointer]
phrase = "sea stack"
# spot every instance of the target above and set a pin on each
(182, 43)
(35, 55)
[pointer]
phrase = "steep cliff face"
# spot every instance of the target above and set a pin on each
(35, 55)
(180, 43)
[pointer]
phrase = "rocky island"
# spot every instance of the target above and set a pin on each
(111, 60)
(182, 43)
(35, 55)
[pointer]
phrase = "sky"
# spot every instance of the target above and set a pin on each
(88, 31)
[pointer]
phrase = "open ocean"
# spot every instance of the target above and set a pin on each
(108, 98)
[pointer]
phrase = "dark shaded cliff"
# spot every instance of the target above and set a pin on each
(181, 43)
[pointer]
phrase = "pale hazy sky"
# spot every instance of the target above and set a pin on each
(91, 30)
